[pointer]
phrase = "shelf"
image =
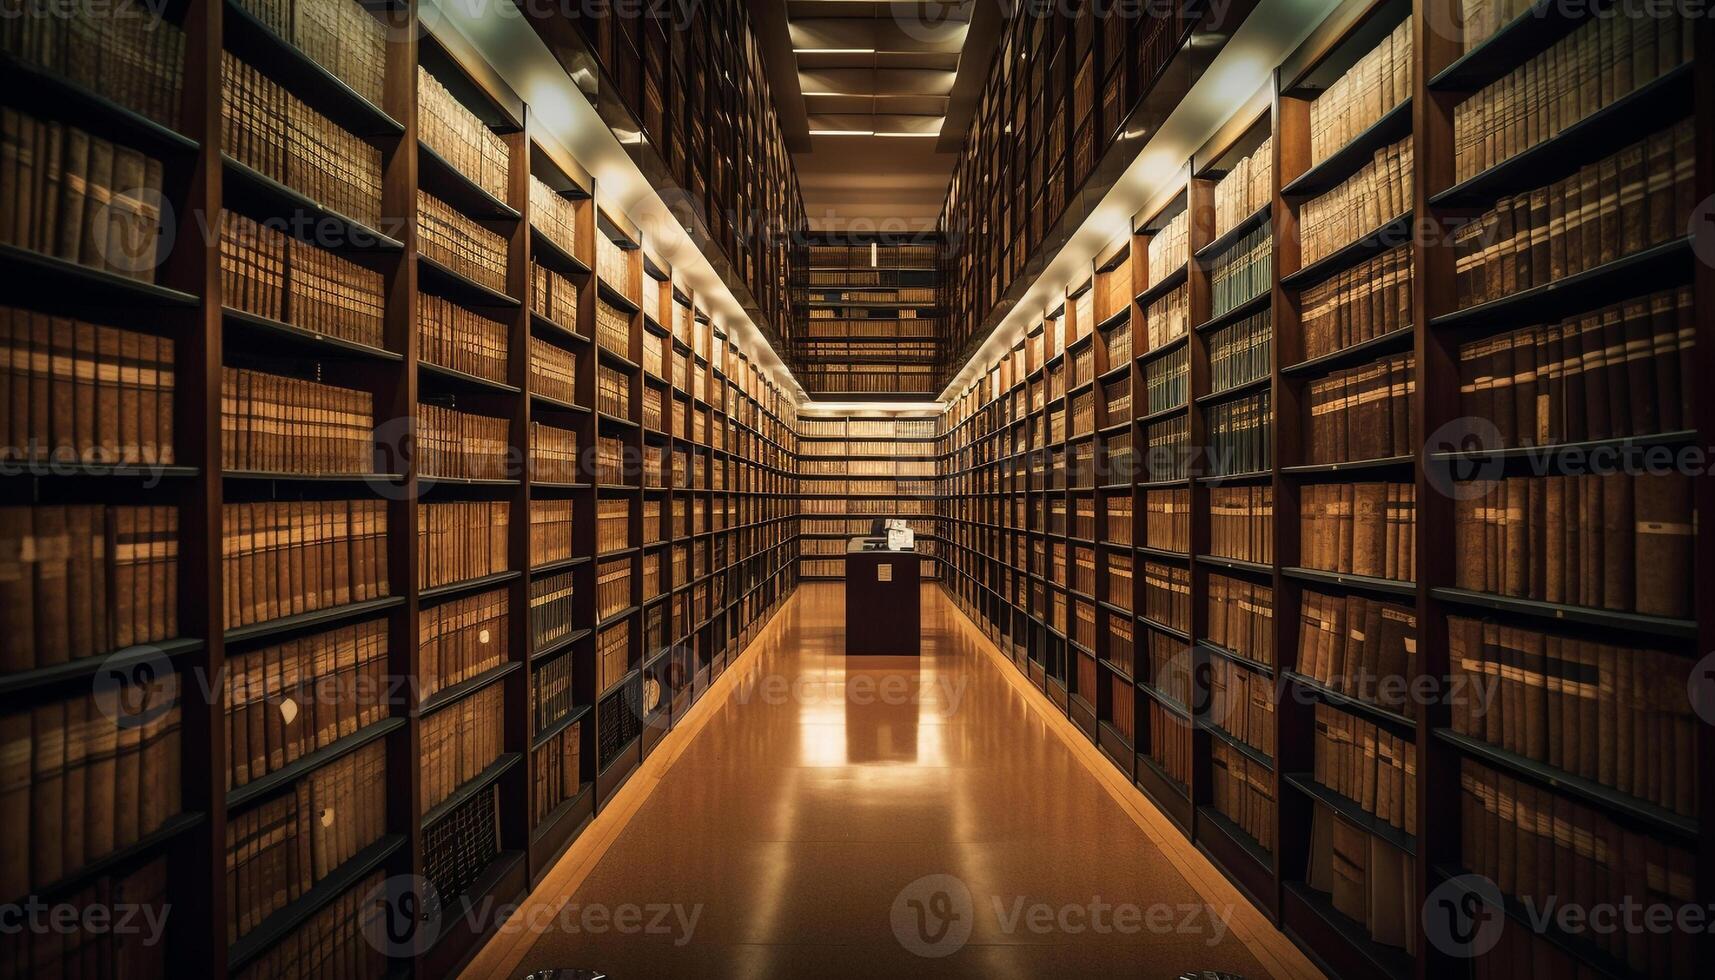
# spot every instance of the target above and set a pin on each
(562, 644)
(1262, 302)
(1167, 348)
(1386, 717)
(67, 101)
(442, 281)
(1350, 466)
(305, 77)
(1235, 391)
(300, 621)
(1227, 239)
(1631, 622)
(1633, 275)
(1393, 126)
(1383, 961)
(84, 669)
(1359, 353)
(1528, 34)
(454, 692)
(265, 335)
(1393, 233)
(482, 781)
(1254, 666)
(1652, 817)
(1626, 120)
(289, 774)
(1355, 583)
(613, 296)
(148, 844)
(554, 404)
(1236, 565)
(566, 721)
(1165, 285)
(439, 177)
(263, 197)
(451, 380)
(283, 922)
(441, 592)
(1255, 755)
(549, 252)
(80, 285)
(554, 329)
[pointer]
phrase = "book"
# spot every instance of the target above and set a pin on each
(276, 424)
(458, 541)
(1365, 528)
(1361, 413)
(1380, 80)
(459, 740)
(452, 336)
(285, 558)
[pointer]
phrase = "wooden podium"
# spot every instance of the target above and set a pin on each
(884, 606)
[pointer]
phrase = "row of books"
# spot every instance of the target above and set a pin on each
(554, 215)
(461, 446)
(554, 455)
(552, 609)
(86, 776)
(1615, 540)
(551, 692)
(459, 741)
(1166, 593)
(1361, 413)
(1241, 352)
(461, 540)
(278, 850)
(1246, 188)
(1599, 62)
(89, 579)
(1371, 299)
(273, 132)
(459, 846)
(613, 654)
(554, 297)
(456, 135)
(1637, 198)
(1240, 436)
(1244, 271)
(340, 35)
(452, 336)
(1168, 318)
(270, 274)
(613, 587)
(77, 197)
(613, 266)
(334, 941)
(1241, 617)
(613, 328)
(1378, 193)
(291, 698)
(1378, 81)
(1536, 844)
(1366, 879)
(558, 768)
(619, 722)
(1618, 371)
(867, 467)
(1169, 745)
(1169, 247)
(122, 54)
(1243, 789)
(1167, 520)
(1241, 703)
(460, 243)
(283, 558)
(613, 391)
(613, 525)
(461, 638)
(551, 527)
(1614, 714)
(1358, 646)
(1166, 381)
(1372, 767)
(1364, 528)
(83, 392)
(1169, 452)
(271, 423)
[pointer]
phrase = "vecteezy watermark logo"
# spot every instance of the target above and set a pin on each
(1463, 916)
(395, 446)
(1700, 687)
(1463, 461)
(401, 917)
(140, 230)
(1702, 231)
(933, 916)
(128, 687)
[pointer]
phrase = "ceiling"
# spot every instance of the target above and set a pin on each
(865, 91)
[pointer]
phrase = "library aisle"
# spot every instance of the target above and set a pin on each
(793, 833)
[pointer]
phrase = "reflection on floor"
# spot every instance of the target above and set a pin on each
(882, 817)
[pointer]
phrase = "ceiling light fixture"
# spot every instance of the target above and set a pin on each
(905, 135)
(842, 132)
(833, 51)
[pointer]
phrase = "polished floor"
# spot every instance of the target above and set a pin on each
(882, 817)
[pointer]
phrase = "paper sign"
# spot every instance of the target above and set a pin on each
(884, 573)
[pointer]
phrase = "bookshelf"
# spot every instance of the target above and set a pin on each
(1363, 458)
(856, 468)
(399, 349)
(870, 320)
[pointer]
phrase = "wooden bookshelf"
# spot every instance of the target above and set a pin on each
(856, 468)
(869, 317)
(738, 482)
(1000, 484)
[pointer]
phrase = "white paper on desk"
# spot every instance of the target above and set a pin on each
(901, 539)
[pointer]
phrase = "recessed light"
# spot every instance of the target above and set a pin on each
(842, 132)
(833, 51)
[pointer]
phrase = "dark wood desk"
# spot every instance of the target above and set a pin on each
(884, 605)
